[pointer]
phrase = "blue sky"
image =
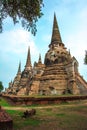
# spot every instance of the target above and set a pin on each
(14, 41)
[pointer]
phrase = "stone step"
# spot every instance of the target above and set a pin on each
(59, 69)
(55, 73)
(52, 77)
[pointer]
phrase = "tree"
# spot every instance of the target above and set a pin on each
(26, 11)
(85, 59)
(1, 86)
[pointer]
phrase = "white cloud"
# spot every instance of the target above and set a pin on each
(77, 41)
(17, 41)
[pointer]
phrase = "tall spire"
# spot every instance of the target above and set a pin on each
(39, 60)
(19, 68)
(28, 62)
(56, 37)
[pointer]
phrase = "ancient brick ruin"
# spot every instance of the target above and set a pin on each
(57, 76)
(6, 122)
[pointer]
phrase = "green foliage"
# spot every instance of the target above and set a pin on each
(85, 60)
(26, 11)
(1, 86)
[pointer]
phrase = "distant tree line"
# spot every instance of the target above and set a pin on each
(85, 59)
(1, 86)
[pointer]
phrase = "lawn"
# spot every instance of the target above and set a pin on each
(69, 116)
(3, 103)
(20, 122)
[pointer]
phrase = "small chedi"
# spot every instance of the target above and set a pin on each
(58, 75)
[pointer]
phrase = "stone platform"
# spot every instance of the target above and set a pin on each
(45, 100)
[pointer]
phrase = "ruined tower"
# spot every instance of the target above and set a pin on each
(58, 75)
(17, 78)
(34, 83)
(26, 73)
(14, 86)
(28, 65)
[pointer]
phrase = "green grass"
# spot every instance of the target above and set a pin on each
(3, 102)
(47, 96)
(60, 114)
(72, 121)
(73, 117)
(15, 112)
(20, 122)
(67, 116)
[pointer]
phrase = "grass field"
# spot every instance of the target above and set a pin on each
(3, 103)
(67, 116)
